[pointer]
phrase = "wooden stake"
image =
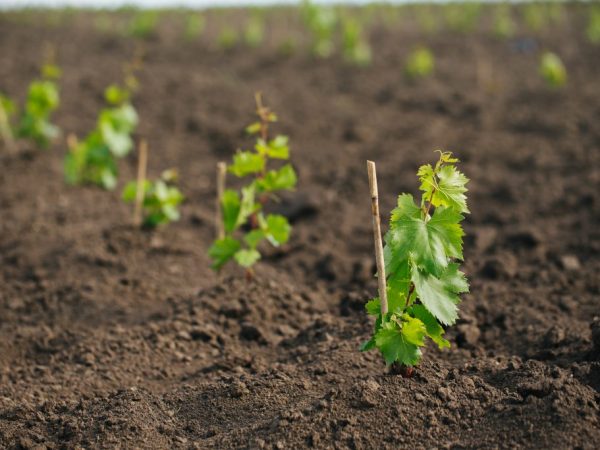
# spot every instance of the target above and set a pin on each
(372, 171)
(221, 174)
(141, 180)
(6, 132)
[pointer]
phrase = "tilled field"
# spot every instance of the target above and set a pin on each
(112, 337)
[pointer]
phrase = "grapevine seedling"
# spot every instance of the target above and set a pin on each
(194, 26)
(94, 160)
(419, 278)
(228, 38)
(504, 25)
(254, 32)
(593, 26)
(420, 63)
(144, 24)
(462, 17)
(242, 212)
(356, 49)
(155, 202)
(42, 100)
(553, 70)
(321, 21)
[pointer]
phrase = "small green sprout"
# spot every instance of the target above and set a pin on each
(463, 16)
(254, 32)
(194, 26)
(161, 199)
(592, 30)
(242, 212)
(94, 160)
(553, 70)
(426, 18)
(228, 38)
(321, 21)
(504, 25)
(535, 16)
(356, 48)
(42, 101)
(424, 283)
(144, 24)
(420, 63)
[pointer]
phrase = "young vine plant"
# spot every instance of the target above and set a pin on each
(42, 100)
(244, 222)
(94, 160)
(424, 283)
(160, 199)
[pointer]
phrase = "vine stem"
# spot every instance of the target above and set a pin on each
(381, 278)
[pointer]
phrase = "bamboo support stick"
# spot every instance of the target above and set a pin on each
(141, 180)
(372, 171)
(221, 174)
(6, 132)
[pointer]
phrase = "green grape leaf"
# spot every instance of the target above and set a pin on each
(253, 128)
(231, 205)
(398, 284)
(440, 295)
(434, 329)
(395, 345)
(248, 205)
(277, 229)
(246, 163)
(130, 190)
(448, 186)
(429, 243)
(8, 105)
(368, 345)
(373, 307)
(277, 180)
(247, 257)
(253, 238)
(222, 251)
(413, 330)
(115, 95)
(277, 148)
(51, 71)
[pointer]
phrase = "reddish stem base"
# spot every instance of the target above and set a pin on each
(401, 369)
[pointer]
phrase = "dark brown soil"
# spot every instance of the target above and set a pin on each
(112, 337)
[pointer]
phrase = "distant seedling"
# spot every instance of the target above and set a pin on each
(156, 202)
(420, 63)
(241, 213)
(419, 279)
(463, 16)
(321, 21)
(356, 47)
(553, 70)
(504, 25)
(94, 160)
(194, 26)
(144, 24)
(42, 100)
(228, 38)
(254, 32)
(593, 26)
